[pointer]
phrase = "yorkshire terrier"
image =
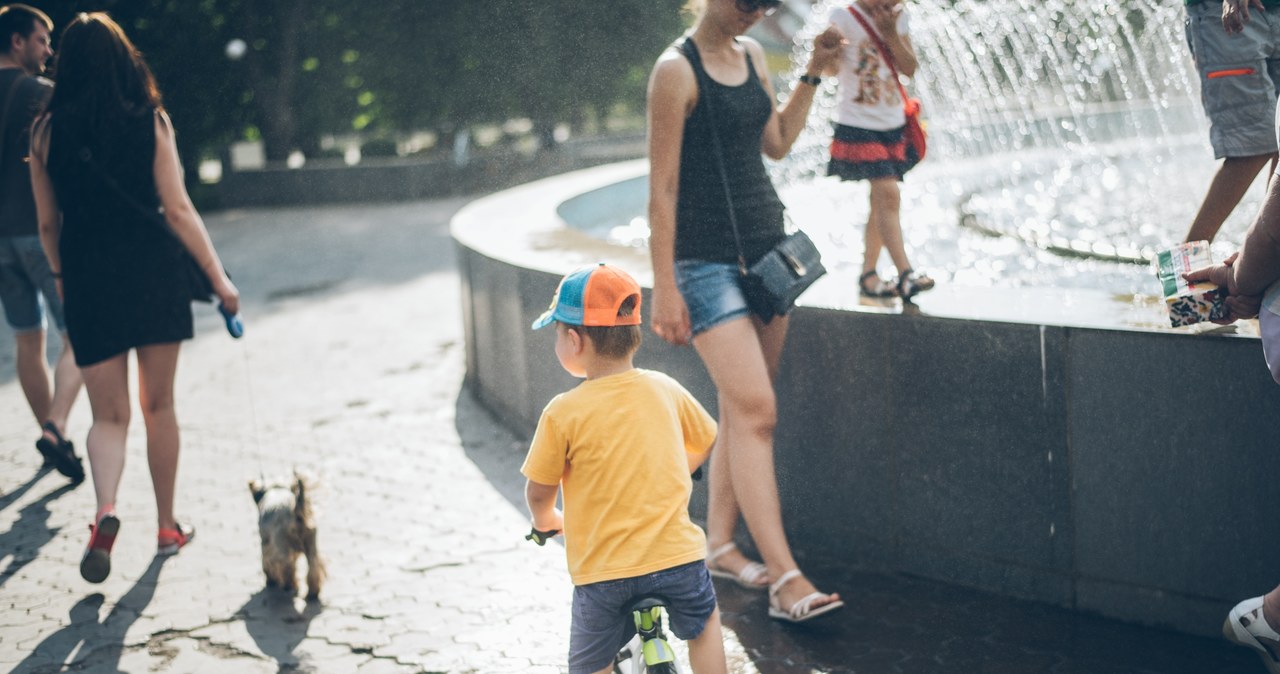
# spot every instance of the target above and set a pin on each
(288, 529)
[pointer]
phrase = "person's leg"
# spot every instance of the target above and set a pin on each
(107, 384)
(33, 372)
(1271, 608)
(67, 382)
(706, 651)
(872, 243)
(1226, 189)
(157, 365)
(734, 357)
(886, 203)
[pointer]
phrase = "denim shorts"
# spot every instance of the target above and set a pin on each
(25, 276)
(600, 628)
(712, 292)
(1238, 78)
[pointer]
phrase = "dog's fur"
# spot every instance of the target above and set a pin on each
(288, 529)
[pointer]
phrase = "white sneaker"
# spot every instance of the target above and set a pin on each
(1246, 626)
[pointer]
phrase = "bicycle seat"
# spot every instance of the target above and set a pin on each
(644, 602)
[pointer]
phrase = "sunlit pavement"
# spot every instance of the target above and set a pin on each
(352, 369)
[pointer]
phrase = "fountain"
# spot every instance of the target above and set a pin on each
(1033, 426)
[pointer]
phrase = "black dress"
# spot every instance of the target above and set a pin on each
(123, 275)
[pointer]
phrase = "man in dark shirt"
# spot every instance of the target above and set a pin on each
(25, 275)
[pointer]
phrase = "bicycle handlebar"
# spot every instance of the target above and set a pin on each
(541, 537)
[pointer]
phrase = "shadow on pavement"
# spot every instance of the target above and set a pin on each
(31, 531)
(12, 497)
(99, 644)
(272, 618)
(493, 448)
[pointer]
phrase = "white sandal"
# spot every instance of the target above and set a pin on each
(803, 609)
(753, 576)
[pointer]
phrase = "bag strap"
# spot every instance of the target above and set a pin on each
(690, 51)
(154, 215)
(884, 51)
(4, 116)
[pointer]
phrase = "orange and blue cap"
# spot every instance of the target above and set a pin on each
(592, 296)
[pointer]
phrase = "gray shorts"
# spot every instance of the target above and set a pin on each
(1238, 76)
(600, 628)
(24, 277)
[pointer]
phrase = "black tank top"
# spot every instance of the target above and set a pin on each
(703, 230)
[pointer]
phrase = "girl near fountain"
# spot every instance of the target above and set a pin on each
(868, 139)
(103, 162)
(696, 296)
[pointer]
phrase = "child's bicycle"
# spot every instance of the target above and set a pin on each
(648, 651)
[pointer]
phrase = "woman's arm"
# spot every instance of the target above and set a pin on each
(785, 125)
(48, 215)
(672, 95)
(182, 216)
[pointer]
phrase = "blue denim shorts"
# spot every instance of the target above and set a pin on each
(600, 628)
(25, 276)
(712, 292)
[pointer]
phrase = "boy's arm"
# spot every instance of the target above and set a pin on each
(696, 459)
(542, 506)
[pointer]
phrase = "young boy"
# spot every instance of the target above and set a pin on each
(622, 444)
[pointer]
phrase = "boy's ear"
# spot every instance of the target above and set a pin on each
(577, 339)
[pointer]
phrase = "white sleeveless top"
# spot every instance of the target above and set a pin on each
(868, 96)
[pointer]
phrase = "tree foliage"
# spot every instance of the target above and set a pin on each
(316, 67)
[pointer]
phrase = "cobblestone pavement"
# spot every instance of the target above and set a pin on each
(352, 369)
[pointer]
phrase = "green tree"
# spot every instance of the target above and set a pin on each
(313, 67)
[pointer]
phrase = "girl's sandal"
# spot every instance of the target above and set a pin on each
(753, 575)
(877, 289)
(912, 283)
(803, 609)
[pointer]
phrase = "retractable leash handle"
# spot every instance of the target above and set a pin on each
(235, 324)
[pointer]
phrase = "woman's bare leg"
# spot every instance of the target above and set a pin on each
(156, 367)
(735, 357)
(107, 383)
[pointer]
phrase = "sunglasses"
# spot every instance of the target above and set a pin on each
(750, 6)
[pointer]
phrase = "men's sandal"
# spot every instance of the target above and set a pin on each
(1245, 626)
(871, 285)
(169, 541)
(753, 575)
(60, 453)
(803, 609)
(95, 566)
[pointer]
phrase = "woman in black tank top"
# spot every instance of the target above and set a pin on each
(694, 267)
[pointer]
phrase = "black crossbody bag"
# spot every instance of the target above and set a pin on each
(773, 283)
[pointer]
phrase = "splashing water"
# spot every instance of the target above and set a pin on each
(1066, 143)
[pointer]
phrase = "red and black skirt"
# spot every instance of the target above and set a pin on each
(864, 154)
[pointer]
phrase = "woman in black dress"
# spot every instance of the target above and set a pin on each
(117, 225)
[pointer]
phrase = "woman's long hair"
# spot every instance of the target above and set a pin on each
(100, 77)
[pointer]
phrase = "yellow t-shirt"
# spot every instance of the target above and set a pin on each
(617, 446)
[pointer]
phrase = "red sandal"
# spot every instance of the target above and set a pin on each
(95, 566)
(169, 541)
